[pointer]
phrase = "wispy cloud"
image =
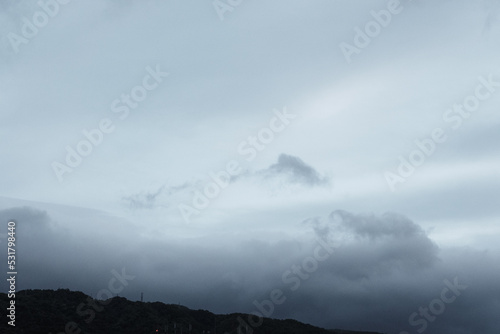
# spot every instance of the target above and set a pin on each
(153, 199)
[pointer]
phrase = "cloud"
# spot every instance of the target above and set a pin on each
(383, 268)
(226, 77)
(294, 170)
(30, 219)
(289, 172)
(492, 8)
(375, 245)
(143, 200)
(154, 199)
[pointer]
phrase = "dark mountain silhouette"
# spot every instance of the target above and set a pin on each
(72, 312)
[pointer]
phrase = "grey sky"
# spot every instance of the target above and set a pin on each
(208, 183)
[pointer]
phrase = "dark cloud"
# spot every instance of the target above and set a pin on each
(383, 268)
(375, 245)
(295, 171)
(348, 117)
(288, 171)
(31, 219)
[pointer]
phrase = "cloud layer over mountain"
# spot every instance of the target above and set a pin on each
(220, 153)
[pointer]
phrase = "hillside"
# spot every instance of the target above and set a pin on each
(71, 312)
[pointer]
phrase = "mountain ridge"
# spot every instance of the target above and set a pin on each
(64, 311)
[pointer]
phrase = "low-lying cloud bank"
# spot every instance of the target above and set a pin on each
(346, 270)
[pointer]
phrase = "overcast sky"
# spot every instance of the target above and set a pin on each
(209, 149)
